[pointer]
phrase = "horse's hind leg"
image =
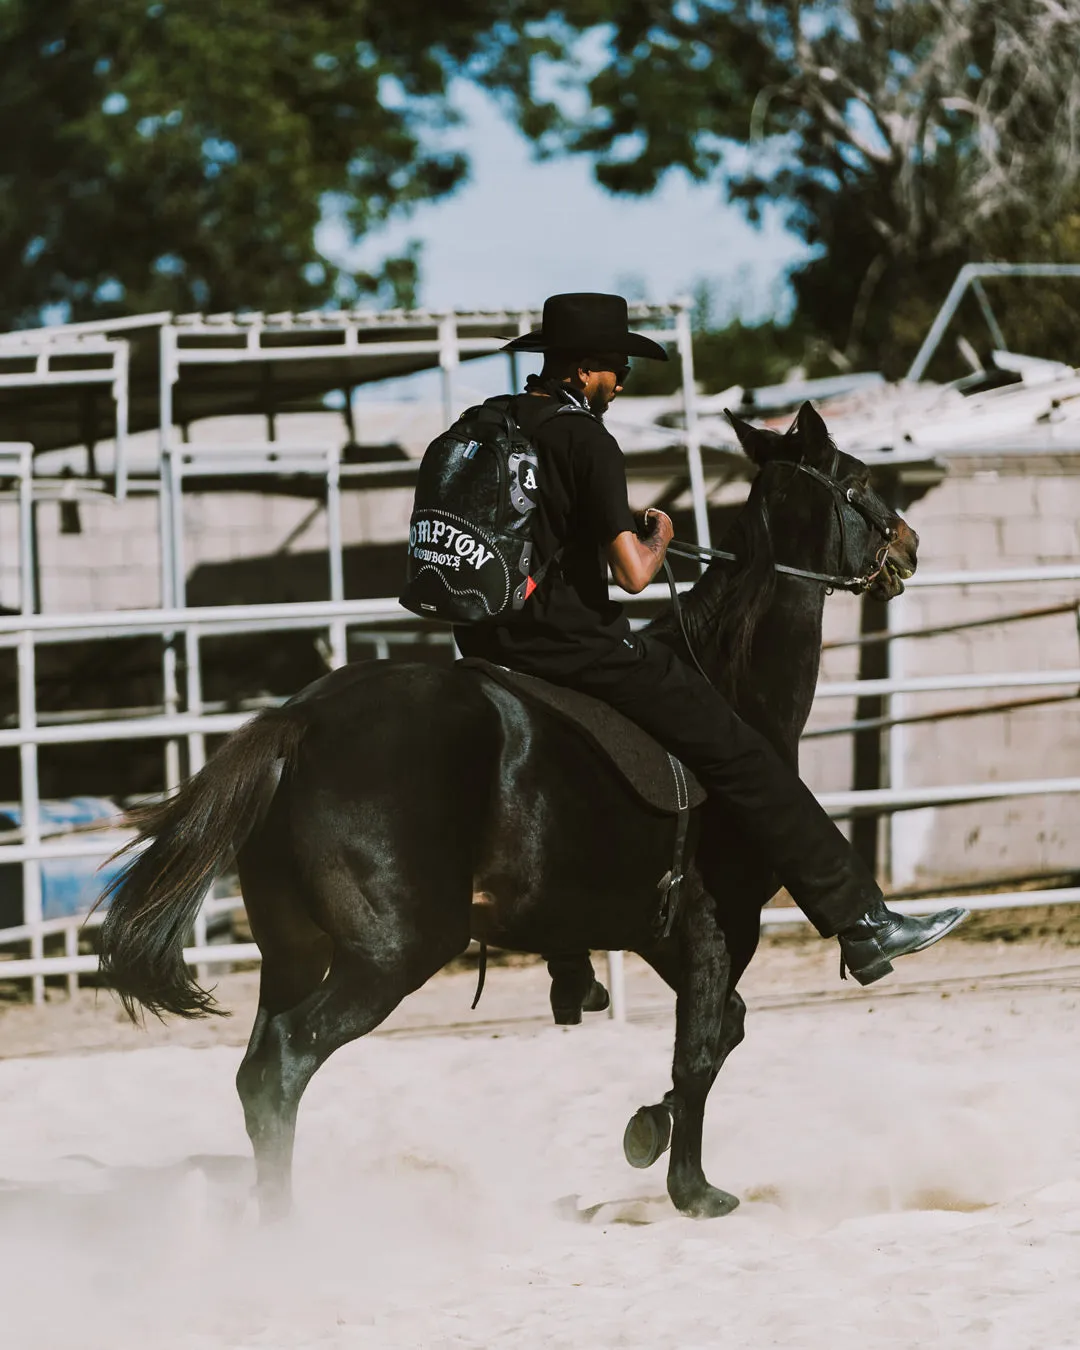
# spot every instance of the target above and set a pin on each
(287, 1047)
(307, 1010)
(296, 955)
(699, 1020)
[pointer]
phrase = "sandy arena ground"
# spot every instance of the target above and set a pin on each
(908, 1159)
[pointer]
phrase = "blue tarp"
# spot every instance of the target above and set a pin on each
(68, 885)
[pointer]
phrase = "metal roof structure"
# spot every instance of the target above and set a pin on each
(77, 384)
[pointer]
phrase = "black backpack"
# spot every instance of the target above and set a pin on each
(471, 551)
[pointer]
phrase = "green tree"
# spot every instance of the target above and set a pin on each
(181, 154)
(902, 138)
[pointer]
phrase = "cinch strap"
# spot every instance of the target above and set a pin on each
(670, 882)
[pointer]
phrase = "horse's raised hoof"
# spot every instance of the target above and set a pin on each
(648, 1135)
(705, 1202)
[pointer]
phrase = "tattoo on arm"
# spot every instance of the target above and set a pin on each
(658, 538)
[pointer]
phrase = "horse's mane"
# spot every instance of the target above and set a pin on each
(722, 611)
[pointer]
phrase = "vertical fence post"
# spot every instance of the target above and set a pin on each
(196, 746)
(27, 698)
(121, 358)
(338, 639)
(448, 362)
(31, 821)
(71, 951)
(866, 767)
(616, 975)
(684, 343)
(169, 488)
(196, 740)
(901, 866)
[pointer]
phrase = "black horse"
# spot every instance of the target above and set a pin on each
(374, 811)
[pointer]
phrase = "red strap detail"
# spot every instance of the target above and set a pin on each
(530, 586)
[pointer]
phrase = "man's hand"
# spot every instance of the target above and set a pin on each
(652, 521)
(635, 560)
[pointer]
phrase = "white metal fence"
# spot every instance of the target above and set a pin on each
(26, 632)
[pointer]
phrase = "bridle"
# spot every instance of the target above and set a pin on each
(844, 500)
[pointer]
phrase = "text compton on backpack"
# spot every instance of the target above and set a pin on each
(450, 546)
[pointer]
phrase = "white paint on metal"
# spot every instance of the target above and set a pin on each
(782, 916)
(873, 800)
(616, 983)
(692, 429)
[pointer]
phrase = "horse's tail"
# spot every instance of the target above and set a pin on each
(191, 836)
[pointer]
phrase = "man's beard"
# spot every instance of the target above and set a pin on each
(598, 404)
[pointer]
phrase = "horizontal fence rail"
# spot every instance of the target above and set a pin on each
(785, 915)
(964, 626)
(885, 801)
(939, 715)
(242, 953)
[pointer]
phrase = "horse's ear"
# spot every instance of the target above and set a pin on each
(813, 433)
(758, 443)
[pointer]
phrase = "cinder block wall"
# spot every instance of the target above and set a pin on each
(115, 563)
(986, 514)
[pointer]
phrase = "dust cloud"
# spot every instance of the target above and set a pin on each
(908, 1170)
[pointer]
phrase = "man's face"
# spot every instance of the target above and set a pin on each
(602, 378)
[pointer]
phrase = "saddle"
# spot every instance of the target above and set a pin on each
(659, 781)
(657, 778)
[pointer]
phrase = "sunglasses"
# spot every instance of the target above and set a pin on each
(620, 372)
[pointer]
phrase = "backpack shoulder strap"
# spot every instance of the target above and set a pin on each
(548, 413)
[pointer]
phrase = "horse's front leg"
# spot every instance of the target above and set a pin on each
(648, 1133)
(699, 1019)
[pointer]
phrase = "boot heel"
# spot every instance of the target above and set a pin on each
(876, 970)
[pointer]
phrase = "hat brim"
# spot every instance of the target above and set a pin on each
(633, 344)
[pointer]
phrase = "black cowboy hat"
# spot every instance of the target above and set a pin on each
(586, 322)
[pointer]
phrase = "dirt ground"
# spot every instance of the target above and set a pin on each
(792, 968)
(907, 1158)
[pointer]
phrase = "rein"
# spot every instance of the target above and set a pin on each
(876, 518)
(697, 552)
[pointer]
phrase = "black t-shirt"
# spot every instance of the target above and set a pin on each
(569, 620)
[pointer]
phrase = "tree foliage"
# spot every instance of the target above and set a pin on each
(901, 137)
(181, 154)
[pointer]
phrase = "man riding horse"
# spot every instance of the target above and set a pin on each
(571, 633)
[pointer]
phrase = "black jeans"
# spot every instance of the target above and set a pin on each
(738, 768)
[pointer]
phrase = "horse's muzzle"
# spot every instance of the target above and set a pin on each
(901, 559)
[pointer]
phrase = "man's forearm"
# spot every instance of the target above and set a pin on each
(654, 545)
(636, 561)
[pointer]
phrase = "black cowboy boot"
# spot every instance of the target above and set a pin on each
(869, 947)
(574, 988)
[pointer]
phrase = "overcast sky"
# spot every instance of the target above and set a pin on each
(520, 230)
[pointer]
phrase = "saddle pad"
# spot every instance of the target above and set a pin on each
(659, 779)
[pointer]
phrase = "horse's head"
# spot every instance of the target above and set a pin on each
(814, 495)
